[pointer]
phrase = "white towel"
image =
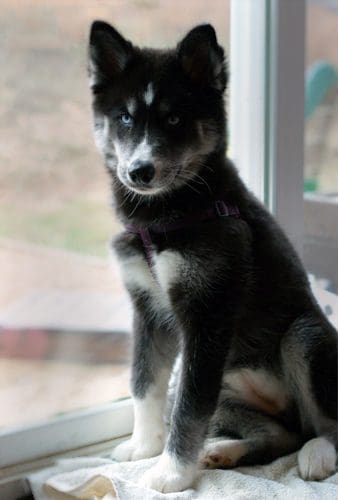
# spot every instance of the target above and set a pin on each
(102, 479)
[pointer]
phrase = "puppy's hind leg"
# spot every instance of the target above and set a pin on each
(317, 459)
(309, 355)
(261, 439)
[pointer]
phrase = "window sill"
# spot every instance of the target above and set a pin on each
(66, 433)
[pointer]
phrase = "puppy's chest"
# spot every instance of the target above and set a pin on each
(167, 269)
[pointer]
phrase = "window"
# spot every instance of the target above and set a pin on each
(268, 121)
(54, 194)
(267, 110)
(64, 317)
(321, 150)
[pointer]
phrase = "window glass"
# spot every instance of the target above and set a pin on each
(321, 147)
(64, 318)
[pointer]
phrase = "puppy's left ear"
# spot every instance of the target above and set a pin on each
(202, 59)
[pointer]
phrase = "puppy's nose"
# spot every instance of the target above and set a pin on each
(141, 172)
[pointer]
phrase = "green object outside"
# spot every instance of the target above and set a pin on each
(310, 185)
(321, 77)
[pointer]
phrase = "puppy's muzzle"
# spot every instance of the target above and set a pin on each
(141, 173)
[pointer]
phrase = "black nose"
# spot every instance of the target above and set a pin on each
(141, 172)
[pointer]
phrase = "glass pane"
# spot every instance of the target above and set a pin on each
(321, 149)
(64, 316)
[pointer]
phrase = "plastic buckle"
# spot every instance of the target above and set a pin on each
(221, 208)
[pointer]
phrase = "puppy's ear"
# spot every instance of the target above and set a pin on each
(202, 59)
(109, 53)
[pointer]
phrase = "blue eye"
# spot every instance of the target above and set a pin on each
(126, 118)
(173, 120)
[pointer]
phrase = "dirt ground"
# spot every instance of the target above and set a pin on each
(32, 391)
(47, 287)
(26, 267)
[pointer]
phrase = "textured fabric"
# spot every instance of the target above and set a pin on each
(102, 479)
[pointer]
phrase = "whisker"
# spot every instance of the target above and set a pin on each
(181, 177)
(203, 181)
(135, 208)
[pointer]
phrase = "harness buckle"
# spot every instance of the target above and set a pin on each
(222, 209)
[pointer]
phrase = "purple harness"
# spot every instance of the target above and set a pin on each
(219, 208)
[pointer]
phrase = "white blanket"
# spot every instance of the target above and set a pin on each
(100, 478)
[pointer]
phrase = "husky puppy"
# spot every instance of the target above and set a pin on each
(215, 284)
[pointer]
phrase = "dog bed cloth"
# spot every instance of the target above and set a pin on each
(102, 479)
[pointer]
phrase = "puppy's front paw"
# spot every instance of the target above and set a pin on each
(317, 459)
(168, 476)
(136, 449)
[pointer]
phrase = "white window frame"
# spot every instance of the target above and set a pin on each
(266, 124)
(267, 104)
(67, 432)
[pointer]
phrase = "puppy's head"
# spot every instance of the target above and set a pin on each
(158, 114)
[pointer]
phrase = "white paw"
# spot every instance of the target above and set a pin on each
(133, 449)
(317, 459)
(168, 476)
(220, 454)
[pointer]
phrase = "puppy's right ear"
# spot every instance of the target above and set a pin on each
(109, 53)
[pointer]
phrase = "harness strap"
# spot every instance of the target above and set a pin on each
(218, 209)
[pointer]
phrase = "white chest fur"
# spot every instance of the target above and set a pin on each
(168, 267)
(166, 270)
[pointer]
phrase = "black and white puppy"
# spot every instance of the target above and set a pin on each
(224, 298)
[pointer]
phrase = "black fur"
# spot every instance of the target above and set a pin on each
(242, 298)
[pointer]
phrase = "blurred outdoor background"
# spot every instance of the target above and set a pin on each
(63, 312)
